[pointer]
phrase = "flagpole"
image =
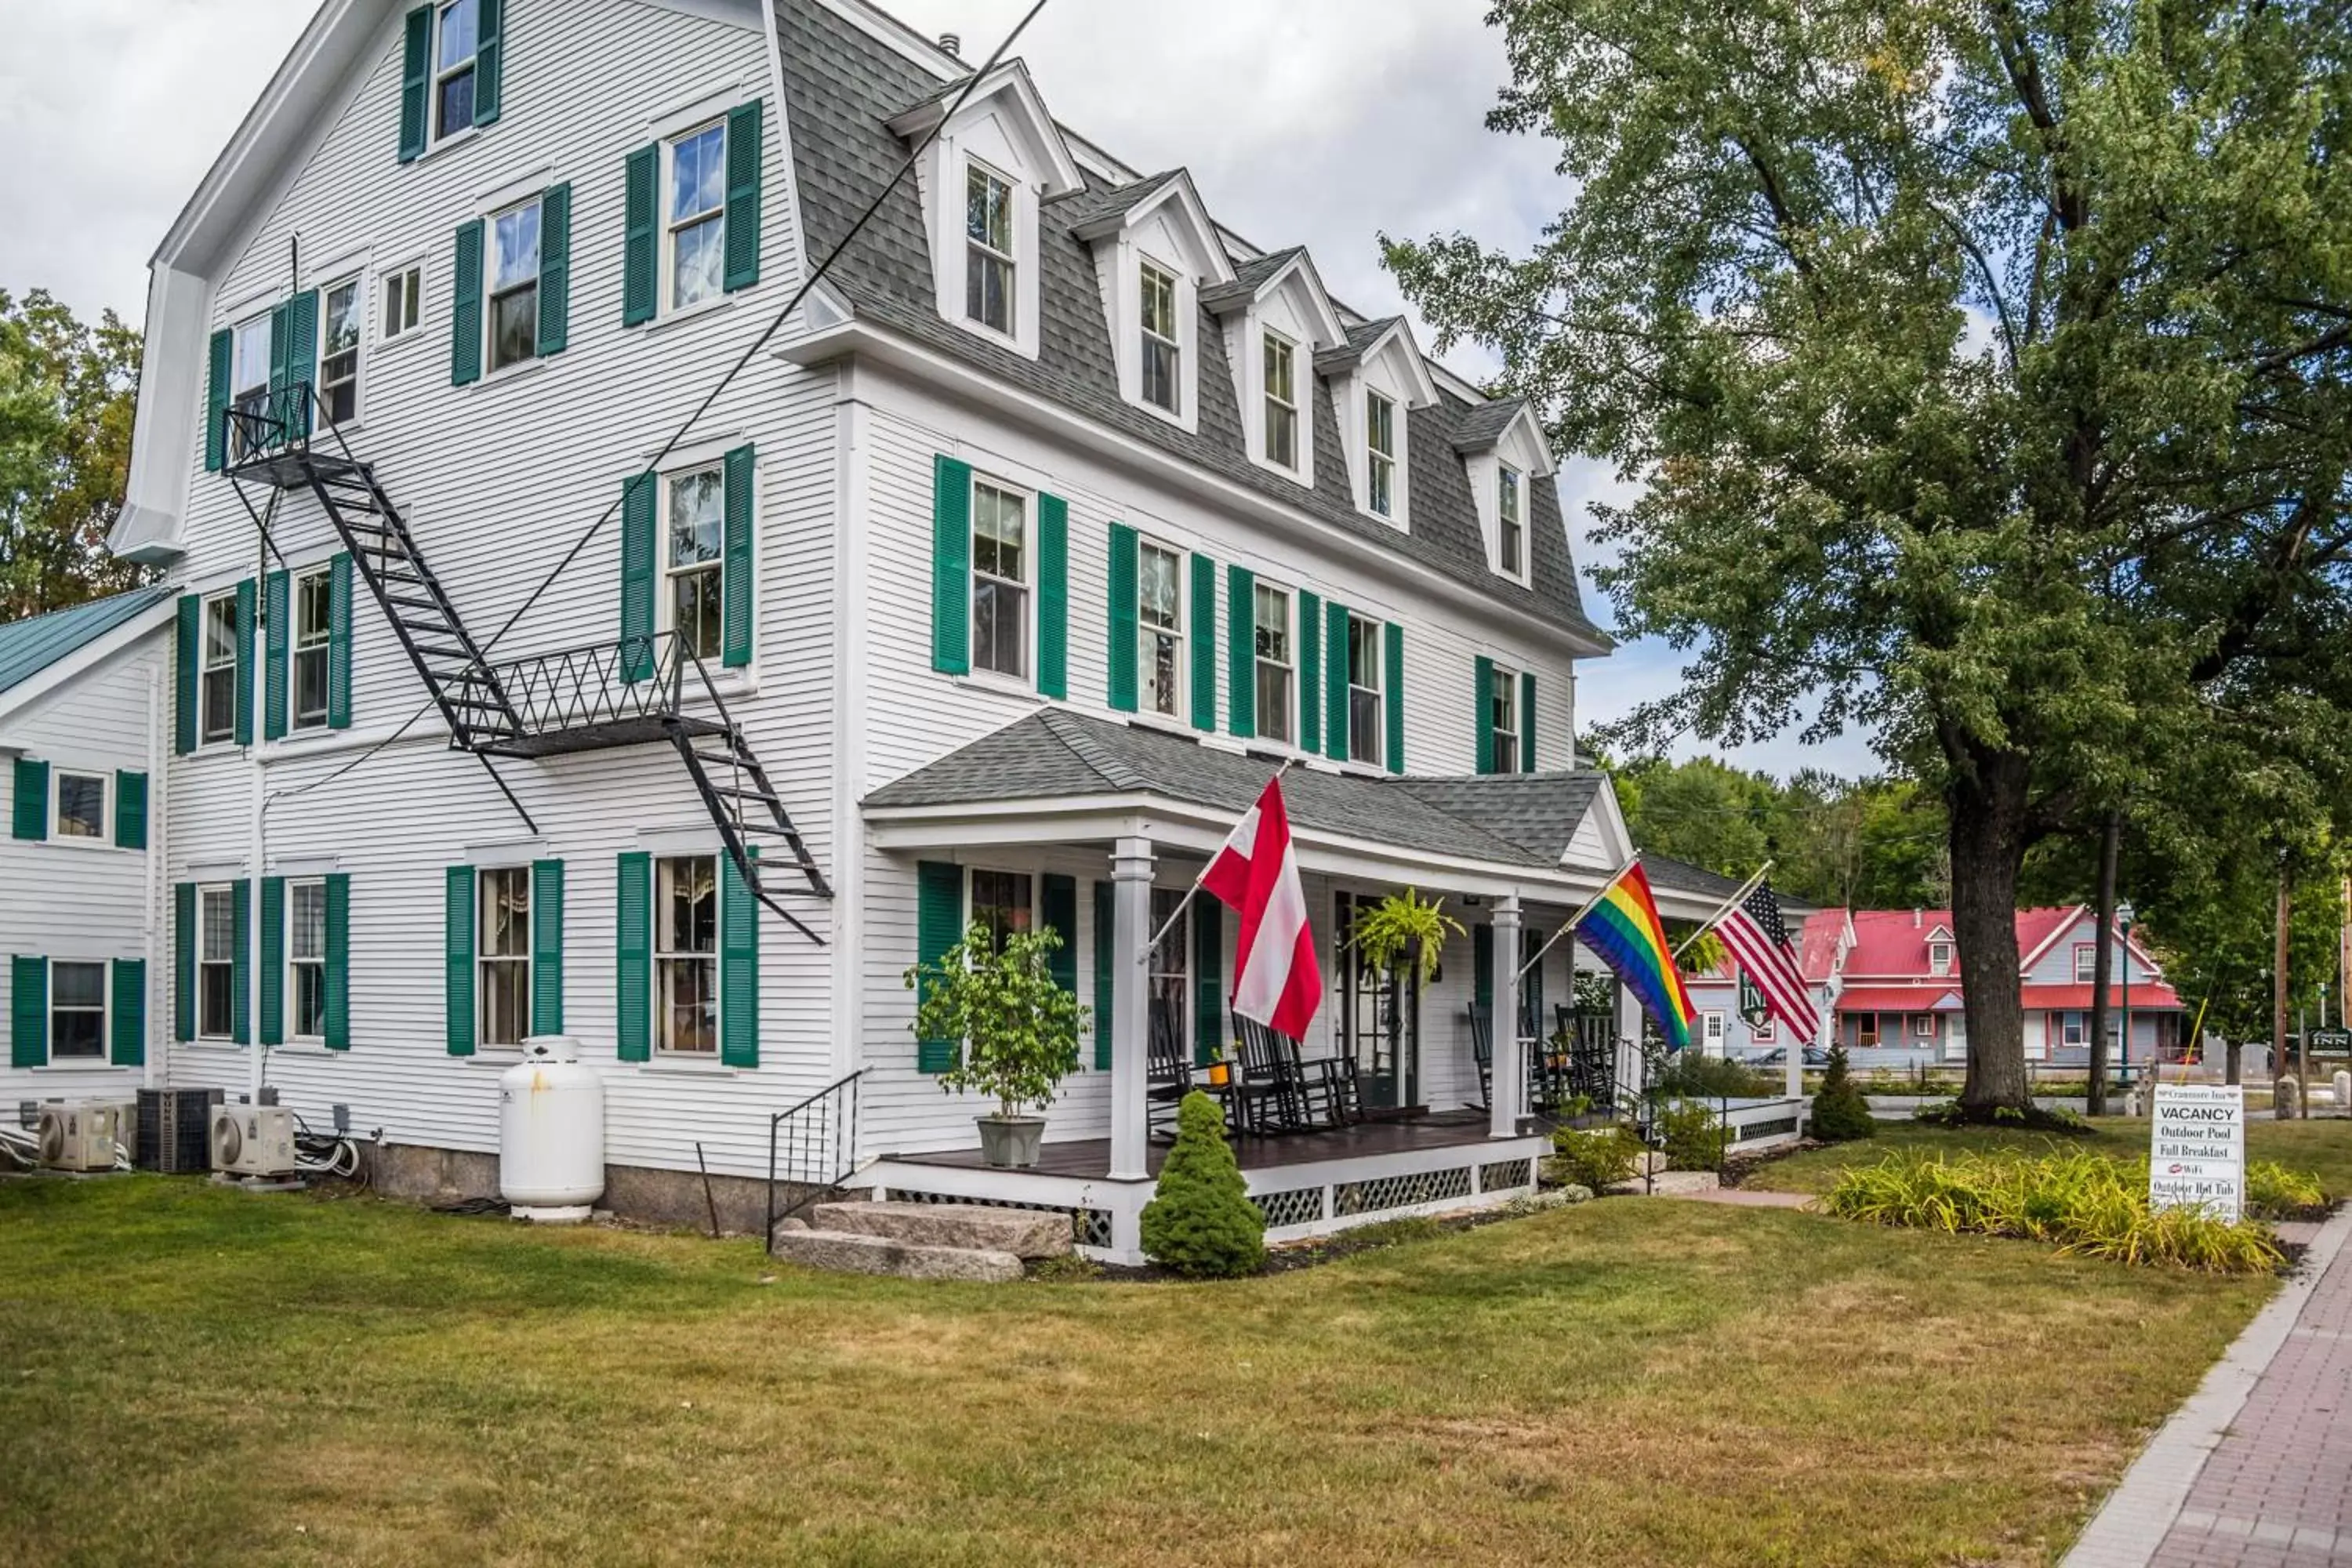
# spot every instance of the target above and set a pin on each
(1194, 890)
(1578, 918)
(1729, 904)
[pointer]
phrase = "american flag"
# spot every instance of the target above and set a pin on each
(1759, 939)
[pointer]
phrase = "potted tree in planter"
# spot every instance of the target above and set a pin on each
(1016, 1031)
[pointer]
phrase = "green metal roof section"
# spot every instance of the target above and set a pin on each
(29, 646)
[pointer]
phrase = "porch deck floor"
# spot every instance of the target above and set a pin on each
(1089, 1158)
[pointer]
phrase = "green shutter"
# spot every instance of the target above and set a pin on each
(274, 643)
(1482, 709)
(1241, 651)
(1481, 963)
(1204, 643)
(273, 961)
(546, 947)
(29, 1011)
(744, 147)
(939, 925)
(1052, 596)
(1335, 681)
(246, 596)
(130, 1009)
(130, 810)
(640, 244)
(1392, 640)
(1057, 903)
(292, 403)
(183, 961)
(415, 69)
(30, 817)
(466, 306)
(240, 969)
(951, 566)
(457, 960)
(637, 578)
(1125, 563)
(1526, 721)
(183, 659)
(1311, 673)
(738, 966)
(1105, 924)
(216, 391)
(490, 61)
(634, 1004)
(339, 961)
(555, 269)
(339, 642)
(1208, 981)
(738, 573)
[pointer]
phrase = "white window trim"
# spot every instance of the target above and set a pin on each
(1186, 614)
(1024, 684)
(665, 604)
(1713, 1028)
(536, 197)
(2086, 960)
(295, 648)
(1147, 267)
(357, 276)
(1023, 338)
(58, 773)
(1290, 639)
(1520, 480)
(665, 194)
(1939, 965)
(1301, 405)
(525, 960)
(1506, 759)
(203, 616)
(716, 958)
(1036, 893)
(228, 890)
(1923, 1027)
(436, 74)
(1398, 414)
(385, 277)
(293, 963)
(1379, 758)
(105, 1012)
(1131, 262)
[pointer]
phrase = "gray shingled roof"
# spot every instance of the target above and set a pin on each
(1346, 357)
(1480, 428)
(1057, 753)
(29, 646)
(1080, 210)
(1249, 277)
(1665, 871)
(843, 87)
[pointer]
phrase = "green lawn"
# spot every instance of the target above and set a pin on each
(2322, 1147)
(193, 1375)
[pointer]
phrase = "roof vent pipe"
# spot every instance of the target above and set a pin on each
(951, 43)
(1918, 917)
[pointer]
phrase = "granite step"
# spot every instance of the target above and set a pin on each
(845, 1252)
(1024, 1233)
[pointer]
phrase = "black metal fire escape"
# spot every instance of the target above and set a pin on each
(627, 692)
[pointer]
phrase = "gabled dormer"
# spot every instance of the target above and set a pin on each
(1378, 378)
(1154, 251)
(1277, 319)
(981, 181)
(1502, 446)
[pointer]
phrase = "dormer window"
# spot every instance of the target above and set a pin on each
(1940, 957)
(989, 272)
(456, 54)
(1281, 401)
(1163, 382)
(1510, 509)
(1503, 447)
(1381, 454)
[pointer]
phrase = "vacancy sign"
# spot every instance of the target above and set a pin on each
(2197, 1154)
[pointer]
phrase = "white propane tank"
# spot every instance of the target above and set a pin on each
(552, 1132)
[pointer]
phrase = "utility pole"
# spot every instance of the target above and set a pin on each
(2101, 961)
(2278, 978)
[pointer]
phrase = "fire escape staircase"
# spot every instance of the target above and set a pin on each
(630, 691)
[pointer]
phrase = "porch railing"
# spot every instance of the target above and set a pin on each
(812, 1145)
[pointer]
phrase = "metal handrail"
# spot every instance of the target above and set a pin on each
(834, 1129)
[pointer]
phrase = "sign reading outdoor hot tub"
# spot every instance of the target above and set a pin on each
(2198, 1153)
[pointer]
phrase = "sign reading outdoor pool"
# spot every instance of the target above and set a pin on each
(2198, 1153)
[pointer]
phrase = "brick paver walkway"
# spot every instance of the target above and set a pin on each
(2255, 1471)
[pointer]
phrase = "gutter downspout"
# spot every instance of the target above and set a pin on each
(159, 817)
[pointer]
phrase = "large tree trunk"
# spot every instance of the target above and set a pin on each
(2103, 960)
(1988, 804)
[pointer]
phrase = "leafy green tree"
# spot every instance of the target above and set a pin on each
(1200, 1222)
(67, 390)
(1985, 366)
(1016, 1031)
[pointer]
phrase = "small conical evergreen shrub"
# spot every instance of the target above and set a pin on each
(1202, 1222)
(1841, 1115)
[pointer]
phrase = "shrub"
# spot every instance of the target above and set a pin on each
(1598, 1159)
(1693, 1137)
(1840, 1114)
(1200, 1223)
(1703, 1077)
(2081, 1202)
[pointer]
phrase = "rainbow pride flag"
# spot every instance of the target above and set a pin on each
(1622, 926)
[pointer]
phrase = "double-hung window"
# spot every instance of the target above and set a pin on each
(503, 953)
(458, 43)
(1939, 959)
(1001, 901)
(1281, 401)
(1162, 357)
(338, 353)
(1381, 454)
(77, 1011)
(695, 561)
(1169, 987)
(686, 954)
(81, 806)
(1510, 511)
(514, 285)
(314, 629)
(999, 581)
(220, 673)
(988, 248)
(216, 962)
(248, 380)
(1364, 712)
(403, 301)
(698, 215)
(1159, 626)
(1924, 1026)
(1503, 706)
(1277, 672)
(2071, 1030)
(2086, 963)
(306, 958)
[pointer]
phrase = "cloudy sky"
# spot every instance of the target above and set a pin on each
(1318, 122)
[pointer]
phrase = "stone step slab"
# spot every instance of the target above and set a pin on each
(845, 1252)
(1672, 1184)
(1024, 1233)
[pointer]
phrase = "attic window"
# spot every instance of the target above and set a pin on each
(1162, 357)
(1940, 957)
(1379, 440)
(988, 264)
(1511, 510)
(1281, 401)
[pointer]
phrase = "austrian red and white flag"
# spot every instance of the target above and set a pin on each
(1277, 980)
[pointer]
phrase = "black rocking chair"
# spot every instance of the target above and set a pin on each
(1170, 1071)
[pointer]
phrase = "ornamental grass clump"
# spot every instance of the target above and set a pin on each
(2273, 1192)
(2082, 1204)
(1201, 1223)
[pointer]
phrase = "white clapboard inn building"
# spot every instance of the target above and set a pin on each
(995, 585)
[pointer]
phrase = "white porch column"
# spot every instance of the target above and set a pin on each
(1509, 1079)
(1629, 1023)
(1131, 1056)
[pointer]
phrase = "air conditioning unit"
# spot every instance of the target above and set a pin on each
(174, 1129)
(253, 1140)
(78, 1137)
